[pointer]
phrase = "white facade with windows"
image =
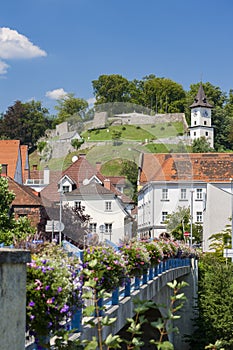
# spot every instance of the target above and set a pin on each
(108, 217)
(210, 203)
(156, 200)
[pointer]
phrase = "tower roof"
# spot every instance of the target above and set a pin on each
(200, 99)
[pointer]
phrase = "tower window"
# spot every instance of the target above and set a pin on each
(204, 122)
(195, 123)
(194, 133)
(206, 134)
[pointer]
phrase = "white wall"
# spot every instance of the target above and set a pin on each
(95, 207)
(218, 212)
(151, 204)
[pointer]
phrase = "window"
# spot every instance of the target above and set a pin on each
(206, 134)
(199, 216)
(77, 204)
(92, 226)
(194, 133)
(183, 193)
(199, 193)
(108, 206)
(65, 189)
(108, 228)
(205, 122)
(164, 216)
(195, 123)
(164, 194)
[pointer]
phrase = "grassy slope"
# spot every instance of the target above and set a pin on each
(132, 139)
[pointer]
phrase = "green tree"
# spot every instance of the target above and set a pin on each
(111, 88)
(215, 308)
(130, 170)
(12, 231)
(69, 106)
(179, 222)
(163, 95)
(30, 120)
(201, 145)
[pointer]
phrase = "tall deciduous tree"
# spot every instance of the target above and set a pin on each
(163, 95)
(69, 106)
(111, 88)
(26, 122)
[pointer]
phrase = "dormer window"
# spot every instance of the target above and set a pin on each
(65, 189)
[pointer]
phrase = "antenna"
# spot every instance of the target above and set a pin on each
(74, 159)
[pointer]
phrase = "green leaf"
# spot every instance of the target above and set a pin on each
(89, 310)
(93, 263)
(106, 321)
(91, 344)
(87, 295)
(113, 341)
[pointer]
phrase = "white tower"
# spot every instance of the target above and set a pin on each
(201, 118)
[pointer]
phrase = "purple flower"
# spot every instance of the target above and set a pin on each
(47, 287)
(32, 317)
(31, 304)
(65, 308)
(59, 289)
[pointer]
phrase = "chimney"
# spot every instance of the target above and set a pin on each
(4, 169)
(98, 166)
(34, 167)
(46, 175)
(107, 184)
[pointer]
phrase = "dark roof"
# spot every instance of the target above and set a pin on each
(200, 99)
(92, 188)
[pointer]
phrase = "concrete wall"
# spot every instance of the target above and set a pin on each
(158, 291)
(13, 298)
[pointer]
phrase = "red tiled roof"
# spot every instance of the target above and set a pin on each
(117, 180)
(78, 171)
(208, 167)
(23, 195)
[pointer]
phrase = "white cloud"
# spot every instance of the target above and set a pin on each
(15, 45)
(91, 101)
(56, 94)
(3, 67)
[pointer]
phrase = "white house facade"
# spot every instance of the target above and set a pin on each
(199, 181)
(108, 218)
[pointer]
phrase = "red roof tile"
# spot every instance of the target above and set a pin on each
(208, 167)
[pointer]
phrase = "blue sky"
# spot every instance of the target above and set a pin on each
(52, 46)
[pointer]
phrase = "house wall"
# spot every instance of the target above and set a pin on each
(95, 207)
(152, 205)
(217, 213)
(215, 206)
(32, 213)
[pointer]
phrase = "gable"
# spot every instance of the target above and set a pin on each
(10, 154)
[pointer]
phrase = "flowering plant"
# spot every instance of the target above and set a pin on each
(155, 252)
(105, 266)
(137, 258)
(53, 290)
(168, 247)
